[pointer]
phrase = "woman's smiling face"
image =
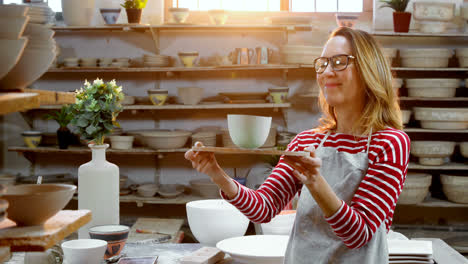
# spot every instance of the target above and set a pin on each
(340, 88)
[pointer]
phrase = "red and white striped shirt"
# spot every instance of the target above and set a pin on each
(373, 202)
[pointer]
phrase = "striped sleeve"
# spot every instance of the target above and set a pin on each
(277, 191)
(374, 202)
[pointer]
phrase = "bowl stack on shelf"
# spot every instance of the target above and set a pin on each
(433, 17)
(425, 58)
(415, 189)
(390, 54)
(300, 54)
(455, 188)
(405, 116)
(442, 118)
(433, 153)
(28, 48)
(156, 60)
(432, 87)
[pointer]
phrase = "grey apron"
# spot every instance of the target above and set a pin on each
(312, 239)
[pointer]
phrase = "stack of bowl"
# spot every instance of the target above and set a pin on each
(207, 138)
(433, 17)
(156, 60)
(25, 55)
(432, 152)
(425, 58)
(415, 188)
(442, 118)
(300, 54)
(432, 87)
(455, 188)
(166, 139)
(40, 13)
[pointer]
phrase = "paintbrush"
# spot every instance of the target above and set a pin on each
(146, 231)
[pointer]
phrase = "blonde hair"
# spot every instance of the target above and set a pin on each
(381, 108)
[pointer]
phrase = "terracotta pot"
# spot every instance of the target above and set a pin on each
(401, 21)
(133, 15)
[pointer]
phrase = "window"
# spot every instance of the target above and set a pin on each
(273, 5)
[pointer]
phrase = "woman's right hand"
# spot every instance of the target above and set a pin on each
(204, 162)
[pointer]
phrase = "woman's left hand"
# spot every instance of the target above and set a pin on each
(306, 169)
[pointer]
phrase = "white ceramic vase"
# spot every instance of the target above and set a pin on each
(98, 190)
(78, 12)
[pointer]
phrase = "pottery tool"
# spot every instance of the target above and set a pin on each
(251, 151)
(205, 255)
(146, 231)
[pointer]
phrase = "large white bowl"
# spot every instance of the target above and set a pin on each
(248, 131)
(432, 87)
(281, 224)
(166, 139)
(425, 58)
(441, 114)
(10, 54)
(80, 251)
(433, 11)
(12, 27)
(432, 152)
(13, 10)
(455, 188)
(32, 64)
(260, 249)
(415, 189)
(38, 31)
(190, 95)
(214, 220)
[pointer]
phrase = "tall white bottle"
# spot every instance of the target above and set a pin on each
(98, 189)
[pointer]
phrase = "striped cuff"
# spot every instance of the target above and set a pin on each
(336, 217)
(236, 198)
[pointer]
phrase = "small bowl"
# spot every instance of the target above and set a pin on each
(158, 96)
(81, 251)
(110, 15)
(455, 188)
(32, 139)
(249, 131)
(121, 142)
(279, 95)
(170, 190)
(147, 190)
(346, 19)
(115, 235)
(190, 95)
(188, 58)
(179, 15)
(218, 16)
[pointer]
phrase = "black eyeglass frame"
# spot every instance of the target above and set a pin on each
(348, 57)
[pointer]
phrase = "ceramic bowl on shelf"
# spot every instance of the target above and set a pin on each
(204, 188)
(455, 188)
(114, 235)
(110, 15)
(405, 116)
(166, 139)
(425, 57)
(170, 190)
(12, 27)
(208, 138)
(179, 15)
(346, 19)
(279, 95)
(464, 149)
(432, 152)
(415, 188)
(33, 204)
(218, 16)
(81, 251)
(32, 139)
(249, 131)
(38, 31)
(432, 27)
(12, 51)
(158, 96)
(190, 95)
(13, 10)
(433, 11)
(148, 190)
(121, 142)
(188, 58)
(442, 118)
(432, 87)
(214, 220)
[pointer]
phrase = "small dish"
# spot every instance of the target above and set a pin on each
(171, 190)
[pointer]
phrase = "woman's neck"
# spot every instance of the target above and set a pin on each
(346, 119)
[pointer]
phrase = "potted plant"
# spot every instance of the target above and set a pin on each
(63, 118)
(94, 115)
(134, 9)
(401, 19)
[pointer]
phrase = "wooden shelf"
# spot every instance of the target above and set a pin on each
(43, 237)
(174, 69)
(190, 107)
(449, 166)
(447, 69)
(418, 34)
(86, 150)
(15, 102)
(140, 201)
(189, 27)
(434, 202)
(448, 99)
(424, 130)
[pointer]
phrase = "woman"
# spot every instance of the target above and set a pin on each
(358, 162)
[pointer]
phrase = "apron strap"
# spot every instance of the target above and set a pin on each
(369, 140)
(323, 140)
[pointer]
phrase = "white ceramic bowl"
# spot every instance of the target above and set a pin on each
(147, 190)
(13, 10)
(121, 142)
(179, 15)
(81, 251)
(464, 149)
(260, 249)
(31, 66)
(204, 188)
(455, 188)
(170, 190)
(38, 31)
(432, 152)
(281, 224)
(214, 220)
(432, 27)
(442, 118)
(218, 16)
(166, 139)
(128, 100)
(248, 131)
(433, 11)
(425, 58)
(415, 188)
(11, 54)
(432, 87)
(190, 95)
(12, 27)
(110, 15)
(405, 116)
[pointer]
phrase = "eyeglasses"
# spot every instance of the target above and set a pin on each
(338, 62)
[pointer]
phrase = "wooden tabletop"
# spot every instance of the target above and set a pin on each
(43, 237)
